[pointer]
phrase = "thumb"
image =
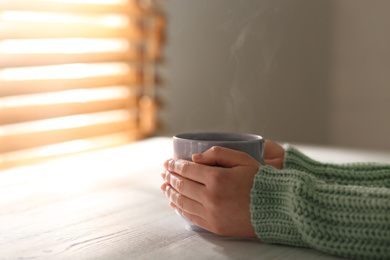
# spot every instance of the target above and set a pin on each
(220, 156)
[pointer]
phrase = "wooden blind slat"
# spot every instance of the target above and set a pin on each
(36, 133)
(18, 114)
(25, 60)
(26, 141)
(17, 30)
(9, 88)
(14, 143)
(125, 7)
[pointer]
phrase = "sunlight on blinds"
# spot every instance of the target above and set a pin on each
(68, 96)
(71, 45)
(90, 1)
(76, 75)
(65, 148)
(65, 122)
(106, 20)
(68, 71)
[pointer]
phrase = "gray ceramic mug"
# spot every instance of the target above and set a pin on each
(185, 145)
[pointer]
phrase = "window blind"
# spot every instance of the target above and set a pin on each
(76, 75)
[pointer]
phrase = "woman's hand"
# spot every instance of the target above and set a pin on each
(216, 198)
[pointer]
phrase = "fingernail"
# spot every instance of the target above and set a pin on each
(163, 187)
(196, 156)
(173, 205)
(168, 163)
(163, 175)
(167, 176)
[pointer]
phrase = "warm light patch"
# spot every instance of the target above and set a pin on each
(68, 96)
(67, 71)
(88, 95)
(106, 2)
(66, 122)
(115, 21)
(67, 147)
(67, 45)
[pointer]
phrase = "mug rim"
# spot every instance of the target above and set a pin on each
(239, 139)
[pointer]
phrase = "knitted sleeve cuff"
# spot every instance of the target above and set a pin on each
(271, 208)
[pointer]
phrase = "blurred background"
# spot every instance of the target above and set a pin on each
(302, 71)
(100, 73)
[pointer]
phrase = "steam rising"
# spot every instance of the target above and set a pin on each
(239, 109)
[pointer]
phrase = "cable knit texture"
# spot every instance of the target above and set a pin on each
(339, 209)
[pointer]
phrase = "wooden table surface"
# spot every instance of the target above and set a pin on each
(108, 205)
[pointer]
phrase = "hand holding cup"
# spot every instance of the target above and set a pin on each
(214, 198)
(210, 185)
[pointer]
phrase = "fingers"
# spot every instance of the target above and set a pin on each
(186, 206)
(191, 189)
(222, 157)
(181, 202)
(187, 169)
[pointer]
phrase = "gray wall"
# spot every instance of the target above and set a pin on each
(291, 70)
(360, 109)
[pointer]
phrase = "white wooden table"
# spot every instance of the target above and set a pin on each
(108, 205)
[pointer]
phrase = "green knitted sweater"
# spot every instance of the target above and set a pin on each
(339, 209)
